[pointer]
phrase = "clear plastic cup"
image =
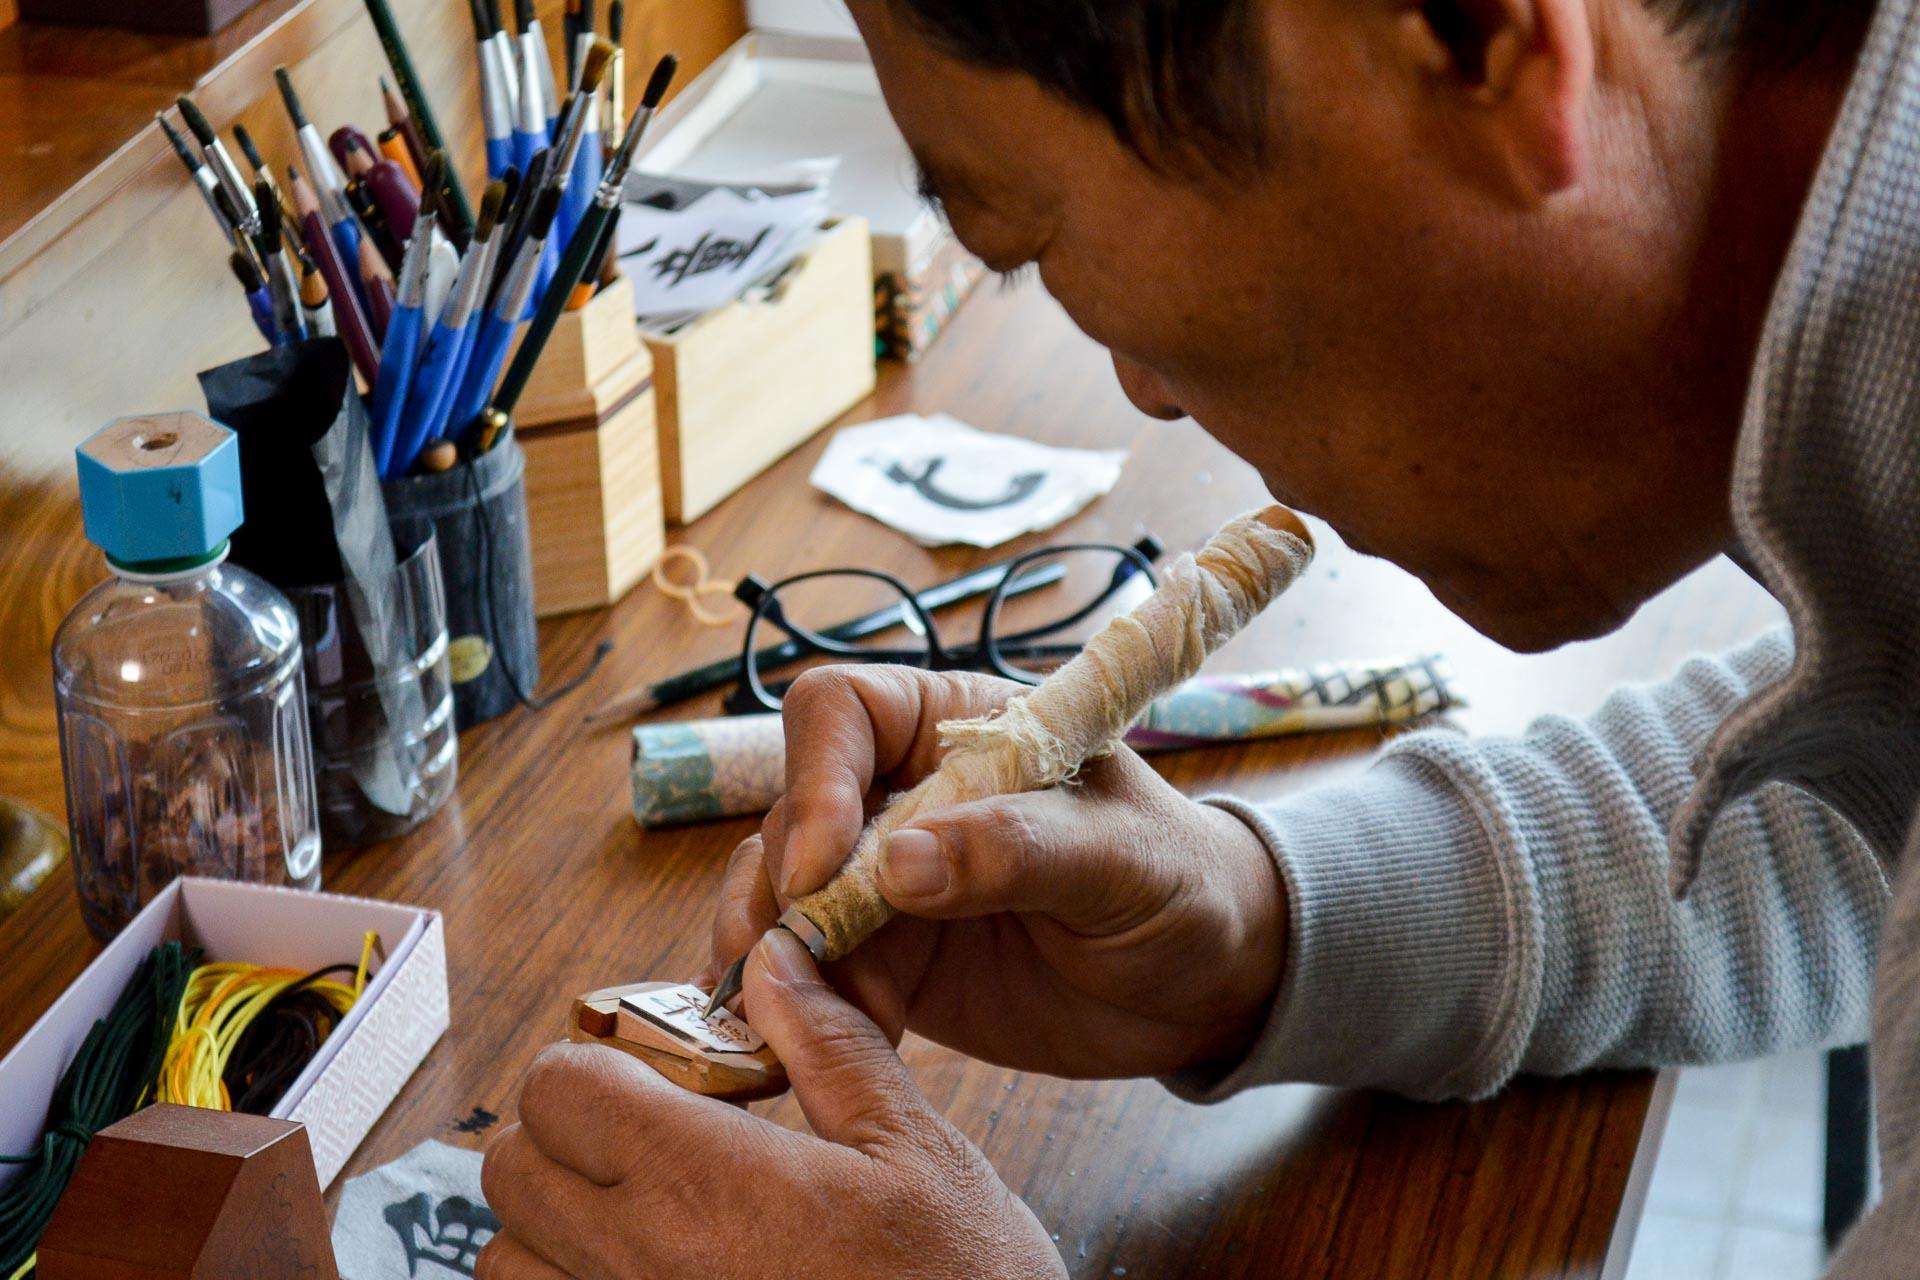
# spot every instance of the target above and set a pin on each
(385, 754)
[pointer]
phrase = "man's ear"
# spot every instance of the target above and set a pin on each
(1513, 79)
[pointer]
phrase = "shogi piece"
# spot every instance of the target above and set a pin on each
(186, 1192)
(660, 1024)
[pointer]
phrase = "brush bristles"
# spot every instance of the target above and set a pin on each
(180, 147)
(244, 272)
(432, 183)
(196, 121)
(247, 147)
(288, 96)
(657, 83)
(594, 69)
(490, 205)
(269, 215)
(543, 211)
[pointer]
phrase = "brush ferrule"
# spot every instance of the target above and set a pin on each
(496, 108)
(531, 106)
(509, 73)
(512, 301)
(622, 156)
(548, 93)
(228, 175)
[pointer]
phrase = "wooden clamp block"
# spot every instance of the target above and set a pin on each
(587, 425)
(186, 1192)
(658, 1022)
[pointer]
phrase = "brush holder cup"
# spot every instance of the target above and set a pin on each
(385, 757)
(476, 512)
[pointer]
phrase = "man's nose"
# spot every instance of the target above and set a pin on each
(1144, 387)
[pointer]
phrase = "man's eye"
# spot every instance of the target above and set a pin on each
(1014, 277)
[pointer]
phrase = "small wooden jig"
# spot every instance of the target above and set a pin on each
(662, 1024)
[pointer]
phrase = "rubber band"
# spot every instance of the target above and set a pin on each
(703, 583)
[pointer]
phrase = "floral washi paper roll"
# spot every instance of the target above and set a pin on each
(695, 770)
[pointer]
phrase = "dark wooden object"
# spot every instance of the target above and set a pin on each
(174, 17)
(183, 1192)
(550, 889)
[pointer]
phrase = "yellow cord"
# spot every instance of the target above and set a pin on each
(220, 1002)
(25, 1266)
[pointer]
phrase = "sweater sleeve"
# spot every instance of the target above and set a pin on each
(1471, 908)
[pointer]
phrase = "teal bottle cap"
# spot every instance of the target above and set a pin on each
(163, 487)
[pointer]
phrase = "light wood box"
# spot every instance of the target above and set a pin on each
(741, 386)
(587, 424)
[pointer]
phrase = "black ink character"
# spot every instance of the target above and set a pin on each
(709, 253)
(450, 1235)
(1018, 488)
(479, 1120)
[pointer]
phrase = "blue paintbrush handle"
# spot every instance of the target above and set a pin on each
(483, 370)
(424, 395)
(390, 388)
(441, 416)
(578, 197)
(346, 238)
(262, 307)
(499, 157)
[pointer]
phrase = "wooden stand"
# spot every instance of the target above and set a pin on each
(741, 386)
(598, 1018)
(588, 428)
(186, 1192)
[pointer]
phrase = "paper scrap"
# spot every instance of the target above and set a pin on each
(690, 259)
(418, 1217)
(940, 481)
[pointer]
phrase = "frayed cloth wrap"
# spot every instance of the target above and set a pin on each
(1041, 739)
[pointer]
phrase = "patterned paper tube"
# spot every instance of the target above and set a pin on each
(695, 770)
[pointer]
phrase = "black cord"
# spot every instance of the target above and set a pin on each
(117, 1062)
(529, 699)
(279, 1043)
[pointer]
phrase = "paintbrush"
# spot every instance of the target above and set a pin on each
(496, 330)
(259, 304)
(263, 172)
(614, 99)
(282, 287)
(203, 180)
(221, 163)
(350, 318)
(605, 207)
(581, 162)
(400, 347)
(531, 37)
(330, 185)
(449, 346)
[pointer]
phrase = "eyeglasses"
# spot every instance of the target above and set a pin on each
(1044, 607)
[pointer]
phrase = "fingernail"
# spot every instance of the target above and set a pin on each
(915, 866)
(786, 957)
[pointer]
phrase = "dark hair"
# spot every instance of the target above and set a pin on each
(1186, 76)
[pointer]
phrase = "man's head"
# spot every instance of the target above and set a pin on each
(1476, 281)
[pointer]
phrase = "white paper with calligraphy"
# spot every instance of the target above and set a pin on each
(678, 1010)
(690, 260)
(940, 481)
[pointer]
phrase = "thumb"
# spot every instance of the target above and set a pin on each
(846, 1076)
(1049, 852)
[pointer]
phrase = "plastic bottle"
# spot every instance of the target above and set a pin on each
(183, 714)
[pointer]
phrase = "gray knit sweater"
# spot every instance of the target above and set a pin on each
(1469, 909)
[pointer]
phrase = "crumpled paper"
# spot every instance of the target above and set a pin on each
(940, 481)
(420, 1217)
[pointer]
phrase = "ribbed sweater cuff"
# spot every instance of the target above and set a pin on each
(1399, 952)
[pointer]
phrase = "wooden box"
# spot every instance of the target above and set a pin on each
(587, 424)
(741, 386)
(771, 97)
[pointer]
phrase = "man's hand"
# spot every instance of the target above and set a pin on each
(1109, 927)
(614, 1172)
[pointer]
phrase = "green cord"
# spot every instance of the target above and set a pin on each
(113, 1071)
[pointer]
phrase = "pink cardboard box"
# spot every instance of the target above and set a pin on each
(358, 1071)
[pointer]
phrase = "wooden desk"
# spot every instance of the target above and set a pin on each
(549, 888)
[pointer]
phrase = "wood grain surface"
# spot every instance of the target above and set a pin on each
(549, 888)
